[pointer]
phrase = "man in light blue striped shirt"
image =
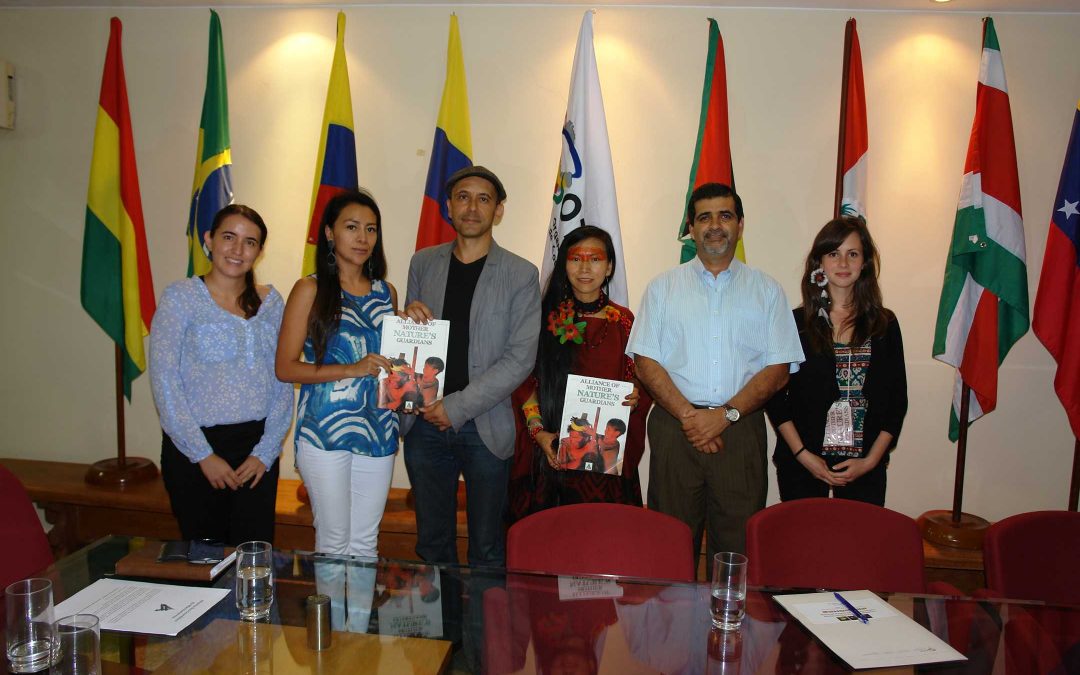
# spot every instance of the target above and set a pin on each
(713, 340)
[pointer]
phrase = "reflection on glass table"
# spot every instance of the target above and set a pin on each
(411, 617)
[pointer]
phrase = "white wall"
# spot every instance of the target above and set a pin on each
(783, 77)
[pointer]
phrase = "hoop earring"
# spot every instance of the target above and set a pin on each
(331, 257)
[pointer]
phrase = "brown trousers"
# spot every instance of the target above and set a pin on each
(712, 493)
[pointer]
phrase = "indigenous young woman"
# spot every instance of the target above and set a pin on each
(345, 444)
(841, 414)
(223, 413)
(575, 293)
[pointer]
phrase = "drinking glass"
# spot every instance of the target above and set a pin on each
(728, 590)
(29, 628)
(78, 646)
(254, 580)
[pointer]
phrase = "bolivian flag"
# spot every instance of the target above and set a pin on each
(117, 290)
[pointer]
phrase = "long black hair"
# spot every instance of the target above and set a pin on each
(869, 318)
(326, 310)
(249, 300)
(554, 360)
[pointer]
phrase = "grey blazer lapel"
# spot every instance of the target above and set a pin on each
(439, 274)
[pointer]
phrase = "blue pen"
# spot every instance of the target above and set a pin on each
(859, 615)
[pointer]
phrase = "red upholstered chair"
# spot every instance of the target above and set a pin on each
(26, 547)
(1034, 556)
(602, 539)
(576, 539)
(834, 543)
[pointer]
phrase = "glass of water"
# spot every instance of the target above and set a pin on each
(254, 580)
(728, 590)
(78, 646)
(28, 633)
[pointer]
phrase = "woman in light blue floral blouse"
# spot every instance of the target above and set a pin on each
(223, 412)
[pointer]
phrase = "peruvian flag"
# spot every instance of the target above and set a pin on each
(984, 299)
(854, 141)
(712, 153)
(1057, 306)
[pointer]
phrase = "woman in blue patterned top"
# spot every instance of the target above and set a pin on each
(329, 343)
(223, 412)
(839, 417)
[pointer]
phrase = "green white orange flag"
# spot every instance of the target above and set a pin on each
(854, 140)
(712, 153)
(117, 289)
(984, 300)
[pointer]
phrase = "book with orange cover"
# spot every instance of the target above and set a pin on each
(144, 563)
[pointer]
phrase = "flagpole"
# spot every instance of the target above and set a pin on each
(120, 471)
(956, 528)
(839, 195)
(1074, 487)
(961, 454)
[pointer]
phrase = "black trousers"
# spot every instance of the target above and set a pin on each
(230, 516)
(795, 482)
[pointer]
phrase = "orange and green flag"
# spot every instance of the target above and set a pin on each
(117, 290)
(712, 153)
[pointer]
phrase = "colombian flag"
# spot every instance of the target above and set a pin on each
(451, 150)
(117, 290)
(213, 158)
(335, 166)
(712, 154)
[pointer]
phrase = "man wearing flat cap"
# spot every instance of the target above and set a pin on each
(491, 298)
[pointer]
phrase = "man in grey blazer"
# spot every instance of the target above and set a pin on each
(492, 299)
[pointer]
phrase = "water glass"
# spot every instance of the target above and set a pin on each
(728, 590)
(78, 646)
(28, 635)
(254, 580)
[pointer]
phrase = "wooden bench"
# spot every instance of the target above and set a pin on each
(81, 513)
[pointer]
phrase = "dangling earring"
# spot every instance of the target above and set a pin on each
(367, 269)
(331, 257)
(819, 279)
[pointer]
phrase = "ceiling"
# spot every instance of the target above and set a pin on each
(1024, 6)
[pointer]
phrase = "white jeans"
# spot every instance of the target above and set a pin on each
(348, 496)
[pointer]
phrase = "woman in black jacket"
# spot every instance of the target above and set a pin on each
(841, 413)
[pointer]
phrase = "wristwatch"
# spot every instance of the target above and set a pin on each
(731, 413)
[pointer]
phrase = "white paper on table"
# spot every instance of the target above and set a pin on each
(889, 638)
(140, 607)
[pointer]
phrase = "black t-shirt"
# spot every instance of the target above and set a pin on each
(457, 303)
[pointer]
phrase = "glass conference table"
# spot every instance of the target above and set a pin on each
(452, 619)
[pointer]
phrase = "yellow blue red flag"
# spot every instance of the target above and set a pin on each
(451, 149)
(335, 166)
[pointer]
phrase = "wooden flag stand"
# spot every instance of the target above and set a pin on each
(122, 470)
(955, 528)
